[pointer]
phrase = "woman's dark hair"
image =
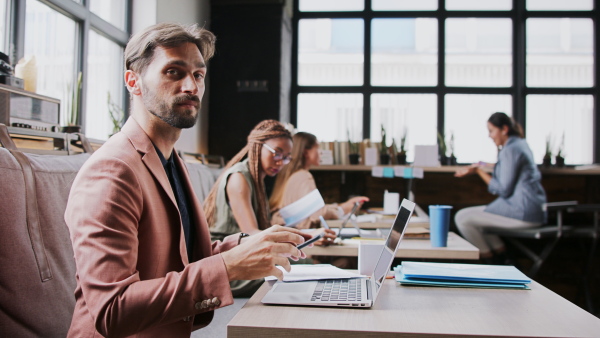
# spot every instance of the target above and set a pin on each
(500, 120)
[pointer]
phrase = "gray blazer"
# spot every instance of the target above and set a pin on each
(517, 181)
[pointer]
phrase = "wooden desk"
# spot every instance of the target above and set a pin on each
(458, 248)
(385, 223)
(401, 311)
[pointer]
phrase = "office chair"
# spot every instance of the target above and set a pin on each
(585, 232)
(551, 233)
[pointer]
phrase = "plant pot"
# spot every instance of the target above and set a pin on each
(71, 129)
(451, 160)
(353, 158)
(547, 161)
(443, 159)
(559, 161)
(384, 159)
(401, 158)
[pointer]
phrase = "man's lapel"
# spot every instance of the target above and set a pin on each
(144, 146)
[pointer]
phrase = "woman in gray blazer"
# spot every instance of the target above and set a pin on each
(517, 183)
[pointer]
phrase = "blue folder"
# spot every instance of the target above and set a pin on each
(461, 275)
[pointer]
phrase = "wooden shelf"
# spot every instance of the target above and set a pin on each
(569, 170)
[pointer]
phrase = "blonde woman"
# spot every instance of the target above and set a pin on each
(295, 181)
(237, 201)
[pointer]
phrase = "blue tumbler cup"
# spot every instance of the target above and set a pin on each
(439, 223)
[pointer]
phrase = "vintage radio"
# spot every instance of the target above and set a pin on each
(21, 108)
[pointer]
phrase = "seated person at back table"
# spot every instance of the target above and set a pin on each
(517, 182)
(145, 264)
(295, 181)
(237, 202)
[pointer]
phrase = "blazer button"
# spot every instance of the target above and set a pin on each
(216, 301)
(198, 306)
(187, 319)
(205, 304)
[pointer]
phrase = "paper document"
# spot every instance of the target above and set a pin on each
(302, 208)
(302, 272)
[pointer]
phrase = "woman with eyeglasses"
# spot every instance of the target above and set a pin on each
(295, 181)
(238, 200)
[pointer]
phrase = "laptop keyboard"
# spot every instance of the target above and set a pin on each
(337, 290)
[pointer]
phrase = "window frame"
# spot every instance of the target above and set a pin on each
(86, 21)
(518, 90)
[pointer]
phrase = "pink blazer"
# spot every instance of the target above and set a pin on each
(133, 273)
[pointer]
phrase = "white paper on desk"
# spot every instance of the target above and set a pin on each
(302, 208)
(302, 272)
(377, 171)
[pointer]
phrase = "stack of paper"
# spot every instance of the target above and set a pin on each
(461, 275)
(302, 272)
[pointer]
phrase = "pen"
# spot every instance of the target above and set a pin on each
(323, 223)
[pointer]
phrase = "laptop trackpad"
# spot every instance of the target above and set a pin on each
(294, 287)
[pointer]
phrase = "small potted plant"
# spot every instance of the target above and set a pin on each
(547, 160)
(353, 150)
(451, 160)
(559, 159)
(442, 149)
(116, 115)
(72, 107)
(384, 156)
(401, 152)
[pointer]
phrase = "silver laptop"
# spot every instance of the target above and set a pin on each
(353, 292)
(346, 234)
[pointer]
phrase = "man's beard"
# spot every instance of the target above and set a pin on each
(167, 113)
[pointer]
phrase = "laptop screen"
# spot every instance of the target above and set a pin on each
(391, 244)
(354, 209)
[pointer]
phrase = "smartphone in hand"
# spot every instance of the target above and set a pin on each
(312, 240)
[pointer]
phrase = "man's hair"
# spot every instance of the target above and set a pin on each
(140, 48)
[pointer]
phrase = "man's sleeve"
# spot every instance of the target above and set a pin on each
(103, 214)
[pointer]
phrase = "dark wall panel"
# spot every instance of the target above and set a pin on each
(248, 49)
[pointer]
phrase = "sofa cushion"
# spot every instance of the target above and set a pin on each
(34, 303)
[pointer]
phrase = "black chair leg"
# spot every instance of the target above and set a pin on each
(538, 260)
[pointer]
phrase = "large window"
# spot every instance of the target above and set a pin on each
(444, 67)
(65, 38)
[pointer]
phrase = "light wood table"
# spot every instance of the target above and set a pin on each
(385, 223)
(458, 248)
(401, 311)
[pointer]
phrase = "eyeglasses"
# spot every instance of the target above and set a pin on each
(277, 156)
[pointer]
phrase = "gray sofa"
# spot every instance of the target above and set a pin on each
(37, 268)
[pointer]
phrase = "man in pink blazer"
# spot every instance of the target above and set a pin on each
(145, 263)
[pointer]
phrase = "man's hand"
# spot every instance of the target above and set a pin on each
(258, 254)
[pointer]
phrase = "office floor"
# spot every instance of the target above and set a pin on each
(218, 327)
(562, 272)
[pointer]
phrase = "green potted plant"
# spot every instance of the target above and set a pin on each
(559, 159)
(401, 151)
(451, 160)
(442, 148)
(353, 150)
(384, 156)
(116, 115)
(547, 160)
(72, 107)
